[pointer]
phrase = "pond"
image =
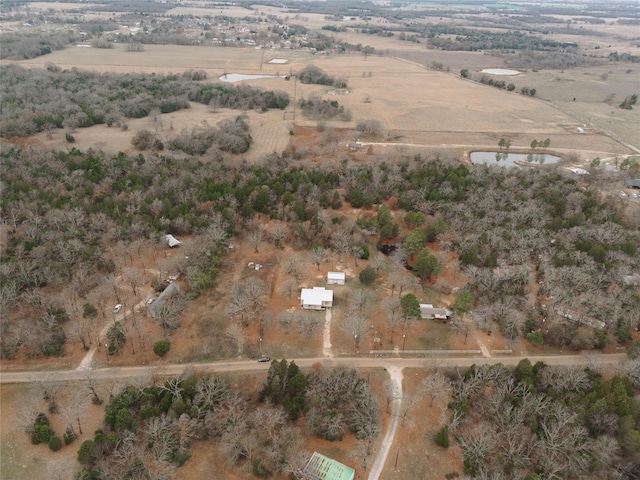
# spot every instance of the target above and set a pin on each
(513, 159)
(239, 77)
(500, 71)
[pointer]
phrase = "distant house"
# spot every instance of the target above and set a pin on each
(429, 311)
(172, 241)
(316, 298)
(336, 278)
(155, 309)
(324, 468)
(633, 183)
(581, 319)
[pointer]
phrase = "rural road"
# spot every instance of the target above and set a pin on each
(394, 366)
(251, 365)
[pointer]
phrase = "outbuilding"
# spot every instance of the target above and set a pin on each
(320, 467)
(438, 314)
(316, 298)
(171, 240)
(336, 278)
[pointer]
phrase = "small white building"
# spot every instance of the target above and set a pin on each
(336, 278)
(316, 298)
(429, 311)
(171, 240)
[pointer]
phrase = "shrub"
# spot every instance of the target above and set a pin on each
(55, 443)
(634, 350)
(86, 452)
(442, 437)
(535, 339)
(161, 348)
(367, 276)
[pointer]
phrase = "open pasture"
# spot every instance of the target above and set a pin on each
(409, 100)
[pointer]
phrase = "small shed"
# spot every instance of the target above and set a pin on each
(336, 278)
(429, 311)
(633, 183)
(316, 298)
(325, 468)
(171, 240)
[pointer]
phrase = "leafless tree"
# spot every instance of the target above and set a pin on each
(285, 319)
(436, 386)
(391, 306)
(341, 241)
(318, 255)
(409, 401)
(279, 234)
(462, 325)
(210, 391)
(256, 291)
(363, 298)
(361, 452)
(255, 237)
(293, 266)
(355, 325)
(288, 286)
(237, 335)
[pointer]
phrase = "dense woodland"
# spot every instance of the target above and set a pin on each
(544, 422)
(524, 237)
(149, 425)
(42, 100)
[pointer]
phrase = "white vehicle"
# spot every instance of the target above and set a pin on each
(633, 195)
(150, 301)
(622, 194)
(117, 308)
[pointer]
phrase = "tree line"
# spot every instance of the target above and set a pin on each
(42, 100)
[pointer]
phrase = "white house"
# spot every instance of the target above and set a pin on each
(316, 298)
(336, 278)
(428, 311)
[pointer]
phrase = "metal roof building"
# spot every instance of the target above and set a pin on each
(336, 278)
(325, 468)
(316, 298)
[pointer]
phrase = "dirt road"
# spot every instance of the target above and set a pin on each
(252, 365)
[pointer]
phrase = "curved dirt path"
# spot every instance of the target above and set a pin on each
(395, 375)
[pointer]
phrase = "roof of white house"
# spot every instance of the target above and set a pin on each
(336, 275)
(315, 296)
(171, 240)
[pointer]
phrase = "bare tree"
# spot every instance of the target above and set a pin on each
(409, 401)
(293, 266)
(356, 326)
(288, 286)
(436, 386)
(391, 305)
(318, 255)
(279, 234)
(461, 324)
(237, 335)
(255, 238)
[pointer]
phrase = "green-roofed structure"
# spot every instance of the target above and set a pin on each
(325, 468)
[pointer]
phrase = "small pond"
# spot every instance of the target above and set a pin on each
(238, 77)
(510, 159)
(500, 71)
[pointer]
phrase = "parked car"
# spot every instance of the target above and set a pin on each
(117, 308)
(150, 301)
(264, 359)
